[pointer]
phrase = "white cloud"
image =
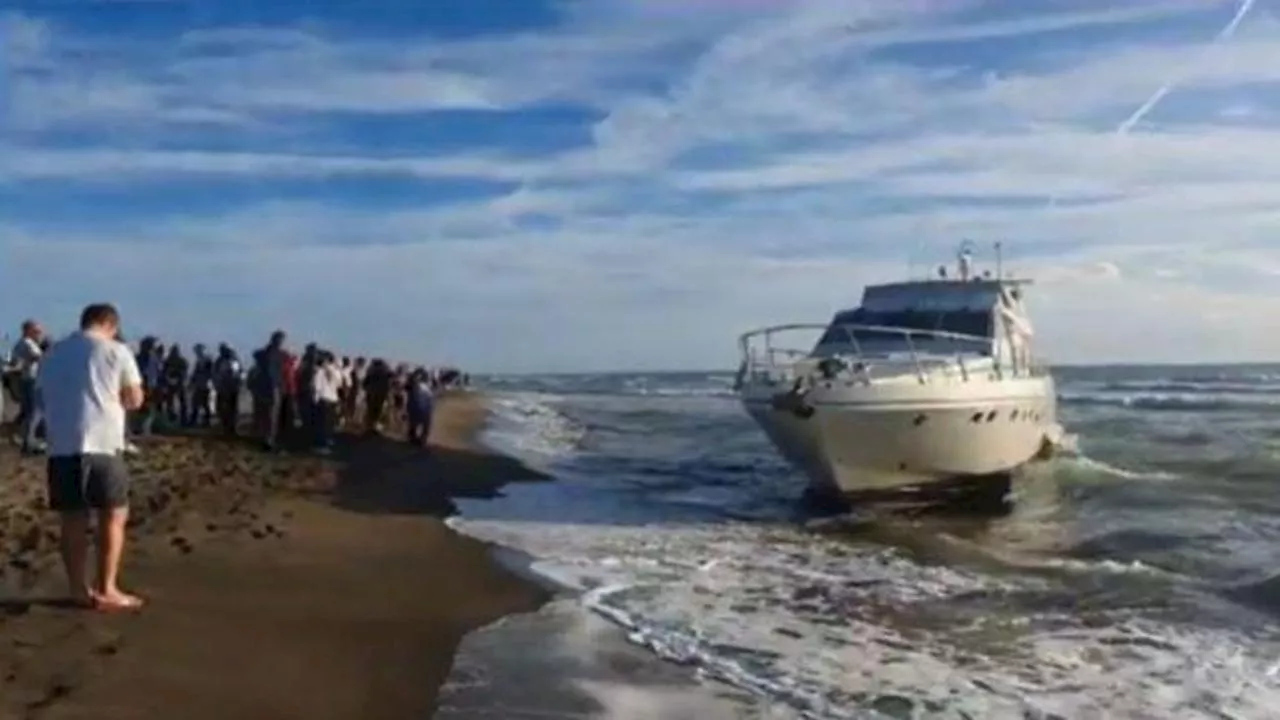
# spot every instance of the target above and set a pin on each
(749, 165)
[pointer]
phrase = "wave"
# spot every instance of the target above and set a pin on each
(1262, 594)
(1193, 387)
(717, 385)
(684, 392)
(827, 627)
(835, 630)
(1174, 402)
(531, 427)
(1228, 377)
(1100, 467)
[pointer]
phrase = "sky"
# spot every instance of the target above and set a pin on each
(561, 185)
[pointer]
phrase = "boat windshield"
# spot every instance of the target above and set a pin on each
(960, 322)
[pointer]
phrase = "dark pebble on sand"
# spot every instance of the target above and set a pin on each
(809, 592)
(788, 632)
(894, 706)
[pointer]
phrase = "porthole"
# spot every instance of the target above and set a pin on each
(977, 417)
(991, 416)
(919, 420)
(1014, 415)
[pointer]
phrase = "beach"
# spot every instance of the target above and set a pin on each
(282, 586)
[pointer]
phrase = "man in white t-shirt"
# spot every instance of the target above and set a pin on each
(87, 384)
(25, 361)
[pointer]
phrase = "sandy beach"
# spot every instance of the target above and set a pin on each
(281, 586)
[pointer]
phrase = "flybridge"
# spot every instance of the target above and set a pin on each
(933, 296)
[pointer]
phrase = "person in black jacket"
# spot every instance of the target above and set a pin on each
(228, 383)
(173, 377)
(377, 390)
(201, 411)
(149, 360)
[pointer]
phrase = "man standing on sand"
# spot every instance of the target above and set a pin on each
(326, 389)
(87, 383)
(228, 383)
(26, 363)
(271, 362)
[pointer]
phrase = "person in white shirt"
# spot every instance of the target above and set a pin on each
(326, 393)
(87, 383)
(25, 361)
(421, 406)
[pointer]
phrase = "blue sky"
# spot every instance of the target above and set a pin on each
(616, 184)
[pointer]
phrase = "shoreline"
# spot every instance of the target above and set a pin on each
(279, 586)
(564, 660)
(567, 658)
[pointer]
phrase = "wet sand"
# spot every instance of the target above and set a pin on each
(279, 586)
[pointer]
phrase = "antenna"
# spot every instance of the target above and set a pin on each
(999, 260)
(964, 259)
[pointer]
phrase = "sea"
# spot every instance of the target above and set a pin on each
(1136, 576)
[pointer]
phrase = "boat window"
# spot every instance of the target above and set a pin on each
(963, 323)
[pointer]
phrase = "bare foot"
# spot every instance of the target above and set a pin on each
(117, 601)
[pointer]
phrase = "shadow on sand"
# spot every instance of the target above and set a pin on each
(381, 475)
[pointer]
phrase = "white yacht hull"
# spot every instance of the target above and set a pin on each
(865, 440)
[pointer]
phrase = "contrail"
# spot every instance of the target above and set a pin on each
(1143, 110)
(1168, 87)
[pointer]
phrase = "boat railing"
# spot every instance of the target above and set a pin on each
(934, 355)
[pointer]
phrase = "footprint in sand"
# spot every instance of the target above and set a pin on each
(108, 648)
(182, 545)
(31, 539)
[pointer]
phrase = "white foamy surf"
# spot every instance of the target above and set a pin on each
(834, 629)
(528, 426)
(581, 667)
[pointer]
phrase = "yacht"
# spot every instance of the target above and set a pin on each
(927, 385)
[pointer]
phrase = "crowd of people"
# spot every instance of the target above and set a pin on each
(86, 393)
(295, 400)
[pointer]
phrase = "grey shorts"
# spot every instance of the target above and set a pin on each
(88, 482)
